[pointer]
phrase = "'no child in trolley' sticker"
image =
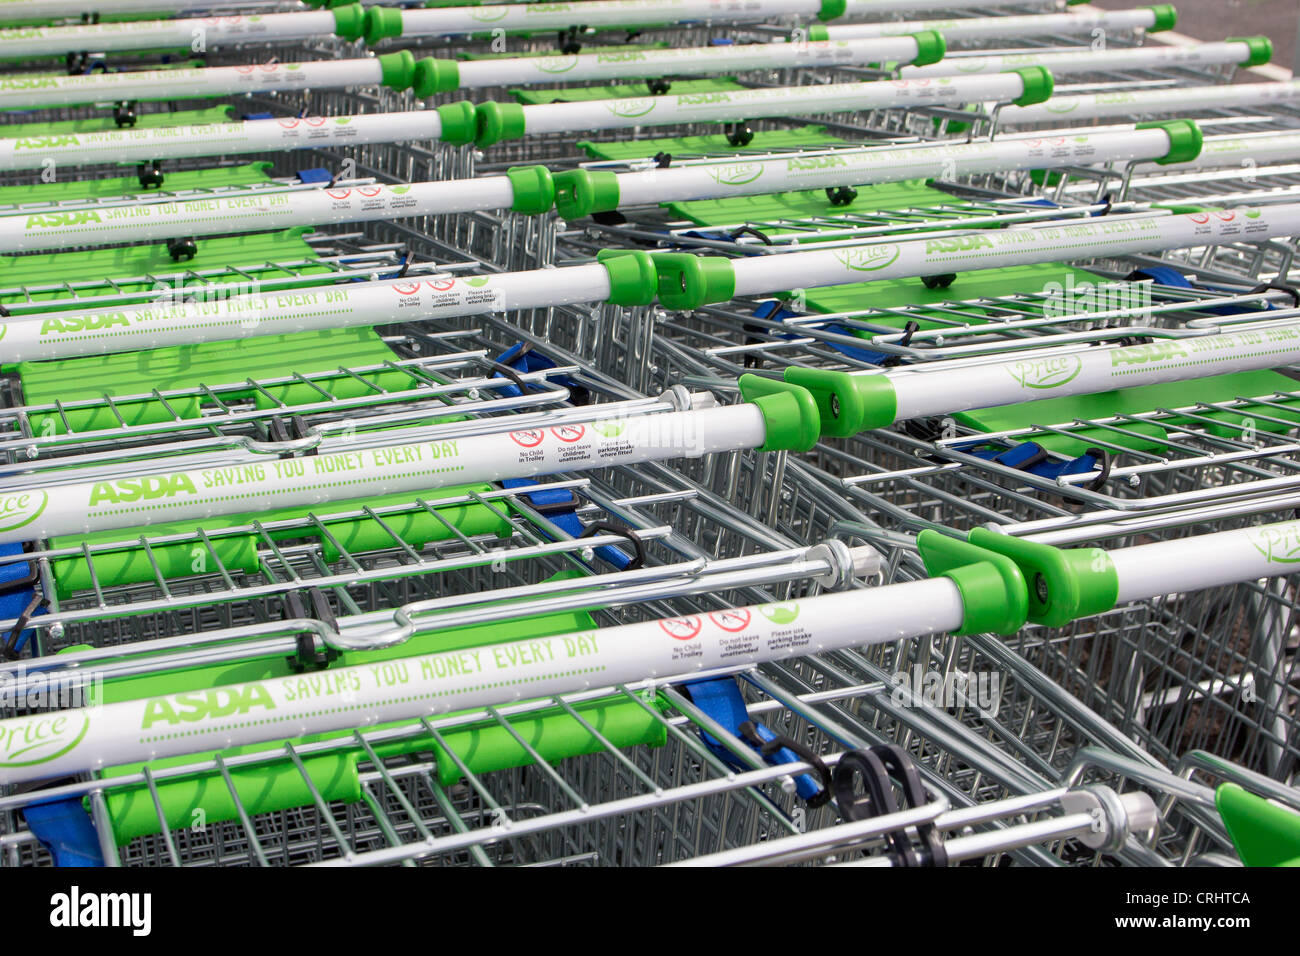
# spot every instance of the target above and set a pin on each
(681, 628)
(528, 439)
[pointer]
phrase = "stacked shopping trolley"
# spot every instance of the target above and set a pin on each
(633, 432)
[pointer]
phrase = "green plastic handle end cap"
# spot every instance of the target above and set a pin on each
(580, 192)
(1064, 584)
(1261, 50)
(1264, 833)
(832, 9)
(533, 188)
(349, 21)
(790, 418)
(930, 47)
(688, 282)
(1039, 85)
(632, 276)
(848, 403)
(497, 122)
(994, 597)
(815, 33)
(1166, 18)
(435, 76)
(397, 70)
(382, 23)
(459, 123)
(1185, 140)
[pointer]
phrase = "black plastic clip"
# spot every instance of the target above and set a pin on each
(568, 42)
(779, 742)
(909, 330)
(739, 134)
(880, 768)
(150, 174)
(76, 62)
(1279, 286)
(663, 160)
(296, 429)
(11, 642)
(758, 234)
(309, 656)
(841, 195)
(610, 527)
(124, 114)
(658, 85)
(939, 281)
(1104, 457)
(180, 249)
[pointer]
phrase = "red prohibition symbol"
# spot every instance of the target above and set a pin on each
(681, 628)
(735, 620)
(528, 439)
(569, 433)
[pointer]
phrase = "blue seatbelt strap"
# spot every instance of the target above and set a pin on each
(66, 831)
(720, 699)
(558, 506)
(772, 311)
(17, 592)
(1034, 458)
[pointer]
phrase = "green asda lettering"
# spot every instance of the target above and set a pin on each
(201, 705)
(45, 142)
(150, 488)
(958, 244)
(1144, 354)
(84, 323)
(55, 220)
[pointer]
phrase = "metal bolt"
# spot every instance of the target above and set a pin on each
(1041, 588)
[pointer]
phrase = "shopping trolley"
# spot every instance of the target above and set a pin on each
(635, 773)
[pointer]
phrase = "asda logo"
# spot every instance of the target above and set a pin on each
(781, 614)
(45, 142)
(869, 258)
(20, 508)
(631, 108)
(29, 83)
(83, 323)
(203, 705)
(623, 56)
(534, 8)
(736, 174)
(141, 489)
(40, 739)
(57, 220)
(1061, 106)
(815, 162)
(1146, 354)
(1279, 544)
(556, 64)
(958, 244)
(702, 99)
(1048, 372)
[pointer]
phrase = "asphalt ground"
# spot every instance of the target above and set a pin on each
(1220, 19)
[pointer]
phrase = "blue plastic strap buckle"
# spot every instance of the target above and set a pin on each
(315, 175)
(720, 699)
